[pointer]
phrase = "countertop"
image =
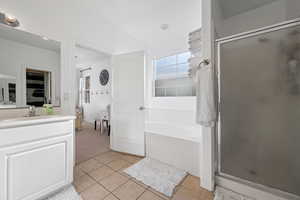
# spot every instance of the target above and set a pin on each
(27, 121)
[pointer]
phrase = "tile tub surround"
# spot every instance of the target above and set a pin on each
(108, 182)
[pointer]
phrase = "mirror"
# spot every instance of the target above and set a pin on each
(29, 69)
(104, 77)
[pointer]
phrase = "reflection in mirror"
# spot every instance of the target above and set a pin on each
(29, 69)
(7, 91)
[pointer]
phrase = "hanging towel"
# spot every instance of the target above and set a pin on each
(195, 45)
(195, 35)
(194, 62)
(206, 109)
(203, 77)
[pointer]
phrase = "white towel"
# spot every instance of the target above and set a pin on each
(195, 44)
(203, 77)
(195, 35)
(206, 109)
(195, 41)
(194, 62)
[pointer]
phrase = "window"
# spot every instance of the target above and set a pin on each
(171, 76)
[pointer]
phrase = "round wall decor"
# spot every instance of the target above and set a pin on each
(104, 77)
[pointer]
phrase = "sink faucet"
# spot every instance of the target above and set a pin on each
(31, 111)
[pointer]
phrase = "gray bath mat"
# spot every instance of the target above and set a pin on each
(68, 193)
(159, 176)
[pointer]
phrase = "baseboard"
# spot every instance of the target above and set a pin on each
(128, 146)
(251, 192)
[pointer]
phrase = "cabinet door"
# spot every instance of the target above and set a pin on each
(32, 170)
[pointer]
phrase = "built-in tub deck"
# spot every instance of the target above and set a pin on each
(174, 144)
(185, 132)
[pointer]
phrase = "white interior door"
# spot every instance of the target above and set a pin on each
(127, 104)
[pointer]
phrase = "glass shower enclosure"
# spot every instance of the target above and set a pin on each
(259, 90)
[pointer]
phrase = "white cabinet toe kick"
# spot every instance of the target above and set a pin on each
(36, 158)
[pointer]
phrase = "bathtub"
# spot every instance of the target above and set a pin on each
(185, 132)
(174, 144)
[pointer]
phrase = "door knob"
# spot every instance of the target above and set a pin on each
(141, 108)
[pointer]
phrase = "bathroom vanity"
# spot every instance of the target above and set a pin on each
(36, 156)
(36, 153)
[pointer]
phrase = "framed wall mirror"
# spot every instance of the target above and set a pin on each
(29, 69)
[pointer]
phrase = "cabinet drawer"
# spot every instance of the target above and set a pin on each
(12, 136)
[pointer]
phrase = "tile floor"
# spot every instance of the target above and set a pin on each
(101, 178)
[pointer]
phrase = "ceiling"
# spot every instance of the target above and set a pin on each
(112, 26)
(142, 20)
(234, 7)
(120, 26)
(28, 38)
(85, 55)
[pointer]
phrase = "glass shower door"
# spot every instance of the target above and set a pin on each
(260, 108)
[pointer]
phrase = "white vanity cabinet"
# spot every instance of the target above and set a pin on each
(36, 157)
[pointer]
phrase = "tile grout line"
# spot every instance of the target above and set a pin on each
(103, 164)
(98, 182)
(141, 194)
(158, 195)
(109, 192)
(110, 150)
(93, 157)
(115, 196)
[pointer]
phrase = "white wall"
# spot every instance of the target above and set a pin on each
(169, 109)
(15, 57)
(100, 95)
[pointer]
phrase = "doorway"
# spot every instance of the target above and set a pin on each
(92, 103)
(38, 87)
